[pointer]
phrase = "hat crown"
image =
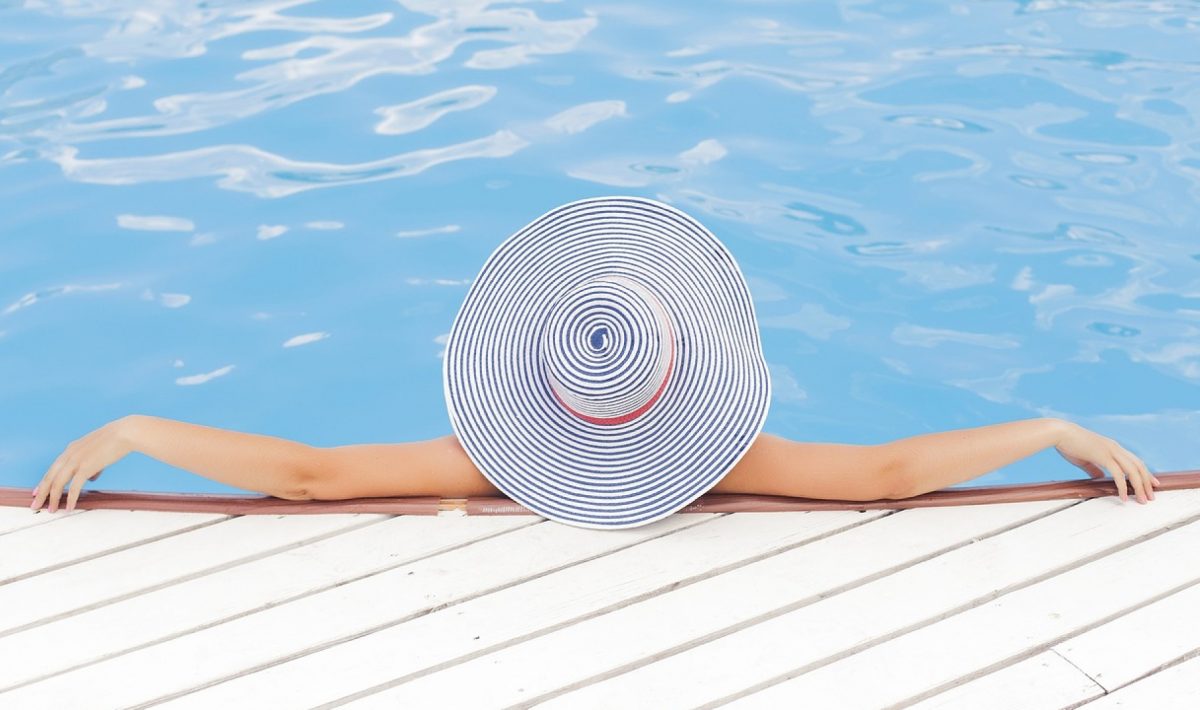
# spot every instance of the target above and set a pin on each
(608, 349)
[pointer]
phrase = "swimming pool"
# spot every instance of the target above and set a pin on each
(264, 216)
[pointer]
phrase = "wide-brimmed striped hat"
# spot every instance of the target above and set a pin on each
(605, 368)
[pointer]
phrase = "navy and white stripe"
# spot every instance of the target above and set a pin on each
(605, 368)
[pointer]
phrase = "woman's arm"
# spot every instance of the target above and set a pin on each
(278, 467)
(926, 462)
(296, 471)
(939, 459)
(932, 461)
(257, 462)
(268, 464)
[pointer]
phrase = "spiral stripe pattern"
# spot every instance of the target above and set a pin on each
(608, 350)
(605, 368)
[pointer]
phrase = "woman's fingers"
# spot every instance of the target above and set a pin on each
(45, 486)
(1091, 452)
(39, 491)
(1137, 469)
(1119, 476)
(56, 488)
(76, 486)
(1151, 476)
(67, 473)
(1150, 481)
(83, 460)
(1133, 475)
(51, 488)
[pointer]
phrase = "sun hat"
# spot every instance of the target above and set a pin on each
(605, 368)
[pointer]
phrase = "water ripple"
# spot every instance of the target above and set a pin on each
(155, 223)
(339, 64)
(1108, 60)
(415, 115)
(582, 117)
(249, 169)
(184, 29)
(31, 298)
(632, 172)
(705, 74)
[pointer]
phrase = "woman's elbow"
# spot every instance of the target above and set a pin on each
(298, 493)
(306, 474)
(897, 477)
(300, 487)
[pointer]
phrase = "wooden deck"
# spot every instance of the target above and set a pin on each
(1043, 604)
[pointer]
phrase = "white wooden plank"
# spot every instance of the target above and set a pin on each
(840, 624)
(100, 580)
(14, 517)
(1174, 688)
(176, 609)
(506, 615)
(84, 534)
(1137, 643)
(1043, 682)
(332, 615)
(975, 641)
(656, 625)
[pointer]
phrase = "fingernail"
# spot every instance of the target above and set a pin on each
(32, 504)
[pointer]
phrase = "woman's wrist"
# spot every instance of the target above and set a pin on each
(1060, 428)
(127, 429)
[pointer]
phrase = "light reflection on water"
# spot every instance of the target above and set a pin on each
(264, 215)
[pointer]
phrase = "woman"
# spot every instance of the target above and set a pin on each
(605, 366)
(773, 465)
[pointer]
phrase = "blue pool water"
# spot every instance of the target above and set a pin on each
(264, 216)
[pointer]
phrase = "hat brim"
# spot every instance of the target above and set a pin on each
(504, 411)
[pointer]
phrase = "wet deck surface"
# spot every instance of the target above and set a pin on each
(1045, 604)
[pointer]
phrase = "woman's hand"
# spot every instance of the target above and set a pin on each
(1091, 451)
(83, 460)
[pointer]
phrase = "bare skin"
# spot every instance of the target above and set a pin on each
(773, 465)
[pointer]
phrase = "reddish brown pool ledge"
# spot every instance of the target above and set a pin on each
(709, 503)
